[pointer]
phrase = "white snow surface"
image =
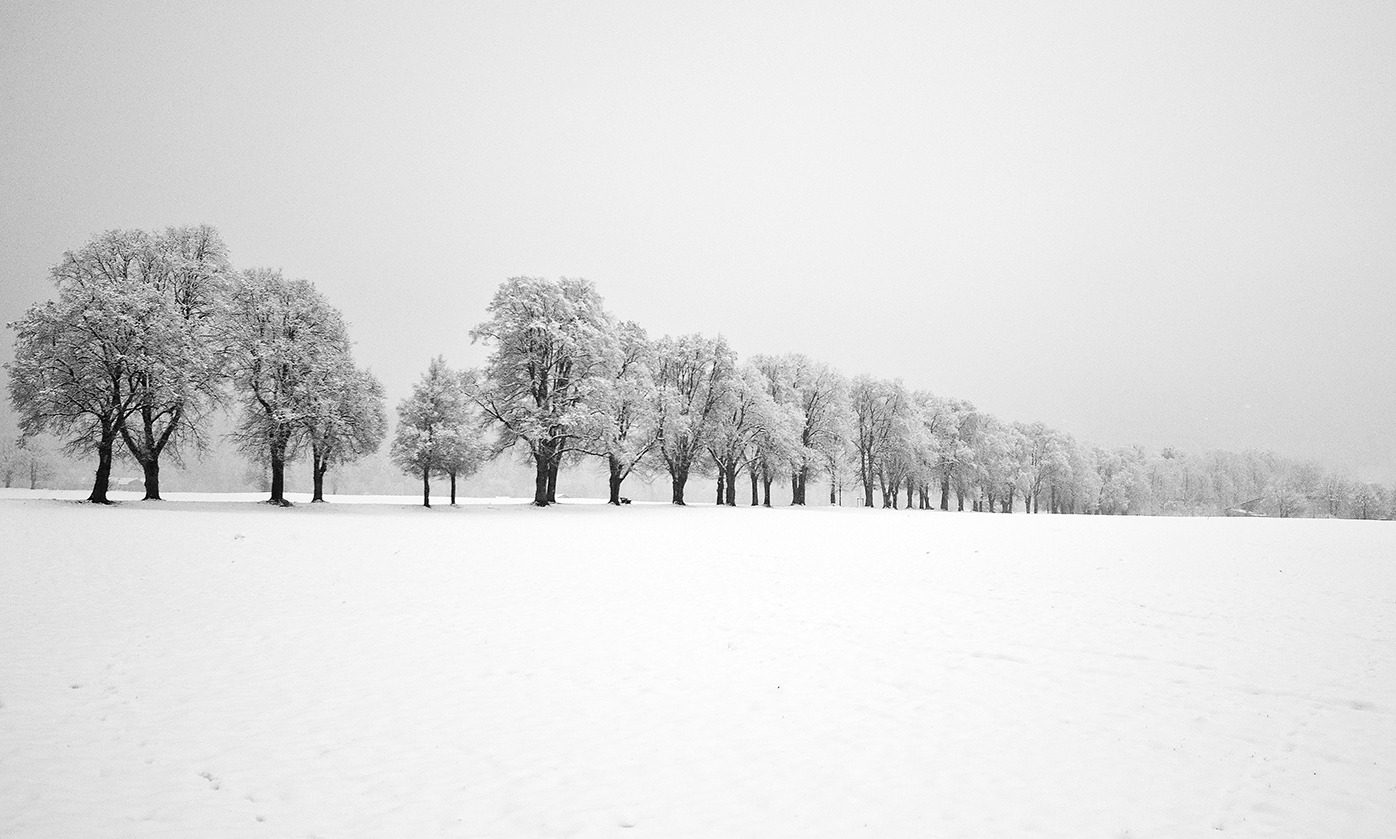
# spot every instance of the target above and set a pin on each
(223, 668)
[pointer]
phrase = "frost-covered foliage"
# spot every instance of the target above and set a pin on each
(555, 350)
(437, 433)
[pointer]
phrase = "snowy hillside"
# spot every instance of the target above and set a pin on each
(227, 669)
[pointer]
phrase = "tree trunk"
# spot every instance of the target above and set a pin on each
(721, 485)
(909, 490)
(453, 488)
(867, 491)
(103, 478)
(945, 492)
(755, 481)
(959, 500)
(766, 481)
(1008, 504)
(278, 475)
(540, 480)
(151, 469)
(319, 464)
(678, 479)
(426, 487)
(731, 486)
(615, 479)
(554, 462)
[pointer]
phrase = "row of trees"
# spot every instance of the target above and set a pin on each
(566, 381)
(153, 331)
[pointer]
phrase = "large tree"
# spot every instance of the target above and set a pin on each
(76, 357)
(178, 376)
(283, 335)
(621, 428)
(692, 376)
(552, 342)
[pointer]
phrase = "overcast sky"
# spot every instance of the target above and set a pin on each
(1143, 223)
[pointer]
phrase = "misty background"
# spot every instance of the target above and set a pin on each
(1165, 227)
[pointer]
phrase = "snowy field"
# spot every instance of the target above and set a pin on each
(210, 669)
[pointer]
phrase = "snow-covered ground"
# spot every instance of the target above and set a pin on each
(190, 668)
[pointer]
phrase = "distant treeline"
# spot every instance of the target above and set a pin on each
(152, 332)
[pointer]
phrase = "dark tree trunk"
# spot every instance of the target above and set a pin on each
(540, 480)
(959, 500)
(721, 486)
(1034, 502)
(945, 492)
(278, 475)
(453, 488)
(145, 446)
(426, 487)
(766, 486)
(755, 481)
(103, 478)
(553, 463)
(909, 491)
(615, 479)
(678, 479)
(151, 470)
(1008, 502)
(319, 465)
(731, 487)
(867, 491)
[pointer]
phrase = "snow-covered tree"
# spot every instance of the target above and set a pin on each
(284, 336)
(622, 429)
(876, 407)
(818, 395)
(434, 433)
(1369, 501)
(146, 306)
(178, 375)
(998, 464)
(956, 437)
(746, 417)
(76, 357)
(345, 419)
(692, 375)
(1042, 455)
(552, 344)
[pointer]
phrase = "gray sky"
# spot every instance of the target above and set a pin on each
(1143, 223)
